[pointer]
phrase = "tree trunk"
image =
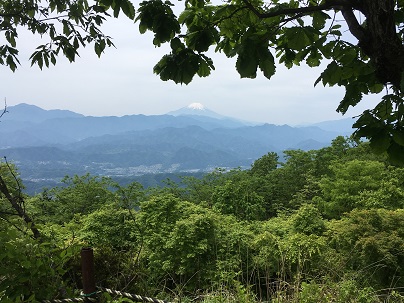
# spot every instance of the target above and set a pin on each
(381, 42)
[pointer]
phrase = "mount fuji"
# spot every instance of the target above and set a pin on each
(196, 109)
(200, 112)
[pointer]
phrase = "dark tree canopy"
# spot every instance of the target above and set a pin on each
(361, 41)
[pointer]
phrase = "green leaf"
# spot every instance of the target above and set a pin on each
(176, 45)
(70, 53)
(376, 88)
(66, 28)
(128, 9)
(395, 154)
(116, 5)
(53, 58)
(10, 62)
(398, 136)
(332, 74)
(46, 59)
(106, 3)
(246, 66)
(384, 109)
(200, 40)
(159, 18)
(197, 3)
(187, 16)
(142, 27)
(298, 37)
(204, 69)
(320, 19)
(10, 36)
(180, 67)
(76, 43)
(348, 54)
(314, 59)
(353, 95)
(267, 65)
(380, 141)
(97, 49)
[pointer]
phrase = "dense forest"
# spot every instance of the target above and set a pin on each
(323, 225)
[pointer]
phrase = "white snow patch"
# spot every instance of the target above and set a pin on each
(197, 106)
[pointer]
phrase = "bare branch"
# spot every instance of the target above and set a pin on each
(354, 27)
(5, 108)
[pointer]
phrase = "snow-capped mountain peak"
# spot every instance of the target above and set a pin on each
(199, 111)
(196, 109)
(196, 106)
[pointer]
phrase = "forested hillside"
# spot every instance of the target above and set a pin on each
(323, 225)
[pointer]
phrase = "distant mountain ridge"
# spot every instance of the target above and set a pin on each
(51, 144)
(31, 113)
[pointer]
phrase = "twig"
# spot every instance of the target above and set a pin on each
(5, 108)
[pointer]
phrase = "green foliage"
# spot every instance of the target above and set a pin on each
(182, 64)
(130, 195)
(11, 178)
(200, 190)
(79, 22)
(346, 291)
(307, 220)
(158, 17)
(179, 238)
(264, 165)
(239, 199)
(335, 233)
(372, 244)
(382, 128)
(111, 227)
(284, 183)
(252, 53)
(359, 184)
(29, 270)
(80, 195)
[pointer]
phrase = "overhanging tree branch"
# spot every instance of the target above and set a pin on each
(328, 5)
(354, 27)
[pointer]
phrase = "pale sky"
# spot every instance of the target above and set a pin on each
(122, 82)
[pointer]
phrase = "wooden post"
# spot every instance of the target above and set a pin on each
(87, 271)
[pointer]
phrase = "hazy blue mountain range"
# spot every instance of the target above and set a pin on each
(49, 144)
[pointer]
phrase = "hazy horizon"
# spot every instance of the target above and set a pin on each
(167, 113)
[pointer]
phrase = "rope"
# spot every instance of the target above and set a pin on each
(86, 299)
(137, 298)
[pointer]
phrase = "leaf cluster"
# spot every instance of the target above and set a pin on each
(65, 26)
